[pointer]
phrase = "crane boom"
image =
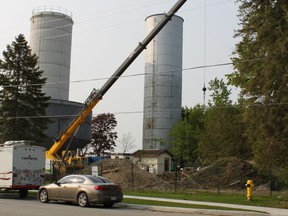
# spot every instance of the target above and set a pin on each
(96, 96)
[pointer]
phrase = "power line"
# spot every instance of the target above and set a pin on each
(141, 112)
(163, 73)
(119, 13)
(206, 6)
(145, 74)
(204, 52)
(125, 11)
(74, 115)
(97, 18)
(40, 9)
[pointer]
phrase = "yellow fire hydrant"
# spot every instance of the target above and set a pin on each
(249, 185)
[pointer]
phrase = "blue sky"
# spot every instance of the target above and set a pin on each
(106, 32)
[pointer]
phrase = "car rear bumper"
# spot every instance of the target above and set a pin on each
(106, 199)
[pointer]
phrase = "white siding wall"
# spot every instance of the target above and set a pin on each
(154, 164)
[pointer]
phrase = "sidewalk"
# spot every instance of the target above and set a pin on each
(261, 211)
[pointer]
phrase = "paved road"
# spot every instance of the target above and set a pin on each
(265, 210)
(13, 206)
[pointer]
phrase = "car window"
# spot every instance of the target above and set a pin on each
(77, 179)
(99, 179)
(65, 180)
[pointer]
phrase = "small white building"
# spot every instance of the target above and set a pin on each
(126, 156)
(154, 161)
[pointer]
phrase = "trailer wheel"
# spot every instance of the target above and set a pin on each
(23, 193)
(43, 196)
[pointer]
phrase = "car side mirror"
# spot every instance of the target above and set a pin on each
(57, 183)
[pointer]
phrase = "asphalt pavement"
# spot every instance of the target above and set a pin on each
(247, 210)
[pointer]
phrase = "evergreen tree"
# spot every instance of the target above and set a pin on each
(261, 73)
(22, 103)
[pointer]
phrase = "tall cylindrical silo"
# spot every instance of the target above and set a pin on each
(50, 39)
(163, 82)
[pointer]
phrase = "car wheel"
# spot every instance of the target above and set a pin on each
(82, 200)
(23, 193)
(43, 196)
(108, 205)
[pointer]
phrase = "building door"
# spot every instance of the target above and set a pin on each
(166, 165)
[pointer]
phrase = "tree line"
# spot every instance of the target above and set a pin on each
(255, 127)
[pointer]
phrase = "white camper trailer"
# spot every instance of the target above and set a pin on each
(22, 166)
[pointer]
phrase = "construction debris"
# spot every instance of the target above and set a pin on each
(228, 173)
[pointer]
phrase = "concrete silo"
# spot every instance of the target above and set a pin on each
(51, 40)
(163, 82)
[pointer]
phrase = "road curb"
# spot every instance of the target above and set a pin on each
(193, 211)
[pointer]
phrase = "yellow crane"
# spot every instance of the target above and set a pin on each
(96, 95)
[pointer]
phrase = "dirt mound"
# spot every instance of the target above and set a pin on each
(128, 175)
(227, 173)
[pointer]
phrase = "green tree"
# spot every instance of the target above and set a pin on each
(185, 135)
(223, 134)
(261, 74)
(220, 93)
(22, 103)
(103, 136)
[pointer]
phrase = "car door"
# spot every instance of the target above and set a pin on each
(63, 187)
(70, 190)
(53, 191)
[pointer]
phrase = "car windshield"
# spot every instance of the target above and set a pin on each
(98, 179)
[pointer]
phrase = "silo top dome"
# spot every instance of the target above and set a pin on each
(51, 10)
(163, 14)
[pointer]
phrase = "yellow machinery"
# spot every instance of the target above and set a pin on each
(96, 95)
(74, 159)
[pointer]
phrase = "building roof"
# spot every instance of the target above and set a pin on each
(121, 154)
(151, 153)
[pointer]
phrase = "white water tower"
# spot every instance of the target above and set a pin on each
(50, 39)
(163, 82)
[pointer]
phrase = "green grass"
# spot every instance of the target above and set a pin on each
(231, 198)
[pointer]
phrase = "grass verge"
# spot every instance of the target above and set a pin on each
(277, 200)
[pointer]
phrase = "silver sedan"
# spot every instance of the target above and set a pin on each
(82, 189)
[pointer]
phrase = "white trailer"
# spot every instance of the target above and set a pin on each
(22, 166)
